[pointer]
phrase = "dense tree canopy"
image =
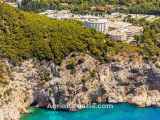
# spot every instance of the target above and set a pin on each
(128, 6)
(24, 35)
(150, 40)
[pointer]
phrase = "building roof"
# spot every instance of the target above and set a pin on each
(97, 21)
(118, 24)
(116, 33)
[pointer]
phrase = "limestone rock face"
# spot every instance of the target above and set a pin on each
(84, 80)
(15, 91)
(80, 80)
(90, 81)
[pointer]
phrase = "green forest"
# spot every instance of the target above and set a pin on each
(87, 6)
(26, 35)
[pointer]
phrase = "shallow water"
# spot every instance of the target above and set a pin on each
(118, 112)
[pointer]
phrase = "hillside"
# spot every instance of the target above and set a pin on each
(26, 35)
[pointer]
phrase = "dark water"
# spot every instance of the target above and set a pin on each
(118, 112)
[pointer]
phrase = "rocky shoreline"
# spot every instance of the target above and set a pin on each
(79, 80)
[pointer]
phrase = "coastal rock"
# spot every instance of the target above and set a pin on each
(80, 80)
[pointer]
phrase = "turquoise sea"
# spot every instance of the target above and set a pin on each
(118, 112)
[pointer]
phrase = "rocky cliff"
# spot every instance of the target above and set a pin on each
(84, 80)
(79, 80)
(15, 92)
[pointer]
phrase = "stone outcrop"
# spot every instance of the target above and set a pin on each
(79, 80)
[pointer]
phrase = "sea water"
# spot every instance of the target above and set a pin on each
(118, 112)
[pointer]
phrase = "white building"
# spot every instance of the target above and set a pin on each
(118, 24)
(118, 30)
(117, 35)
(131, 31)
(99, 25)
